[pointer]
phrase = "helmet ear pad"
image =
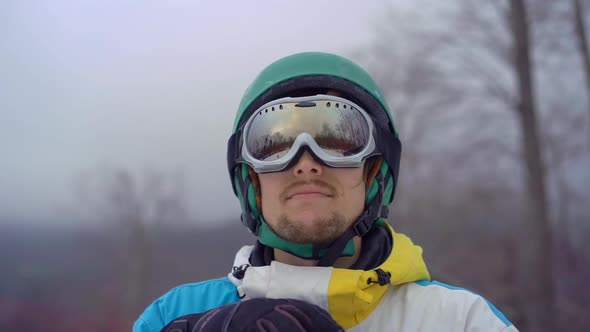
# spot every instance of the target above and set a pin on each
(256, 184)
(246, 191)
(372, 166)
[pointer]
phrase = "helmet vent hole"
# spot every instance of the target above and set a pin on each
(273, 108)
(337, 105)
(344, 106)
(328, 104)
(280, 107)
(266, 110)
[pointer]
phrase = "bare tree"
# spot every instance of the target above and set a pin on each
(135, 207)
(499, 56)
(538, 295)
(582, 38)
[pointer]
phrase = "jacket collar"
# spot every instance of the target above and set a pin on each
(349, 295)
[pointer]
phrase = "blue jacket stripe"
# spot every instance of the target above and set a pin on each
(186, 299)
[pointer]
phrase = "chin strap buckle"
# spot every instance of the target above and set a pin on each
(363, 225)
(250, 221)
(383, 278)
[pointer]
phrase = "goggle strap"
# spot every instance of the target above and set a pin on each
(248, 219)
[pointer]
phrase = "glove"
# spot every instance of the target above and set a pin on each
(260, 315)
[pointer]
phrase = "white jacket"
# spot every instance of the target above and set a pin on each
(409, 302)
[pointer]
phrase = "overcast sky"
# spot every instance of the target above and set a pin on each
(142, 84)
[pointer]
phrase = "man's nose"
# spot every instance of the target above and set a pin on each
(306, 165)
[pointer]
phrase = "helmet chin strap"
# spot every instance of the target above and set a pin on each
(360, 227)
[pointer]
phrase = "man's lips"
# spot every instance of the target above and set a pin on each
(308, 191)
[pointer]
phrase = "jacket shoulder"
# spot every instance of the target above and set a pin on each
(433, 306)
(186, 299)
(475, 309)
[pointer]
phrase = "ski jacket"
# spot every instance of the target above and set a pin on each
(395, 296)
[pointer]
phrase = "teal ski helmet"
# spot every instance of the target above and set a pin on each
(312, 73)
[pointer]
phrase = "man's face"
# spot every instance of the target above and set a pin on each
(310, 202)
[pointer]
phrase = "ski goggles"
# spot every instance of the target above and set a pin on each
(336, 131)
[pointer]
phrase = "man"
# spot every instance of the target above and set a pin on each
(314, 160)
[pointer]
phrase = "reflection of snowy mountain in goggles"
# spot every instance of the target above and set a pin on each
(336, 130)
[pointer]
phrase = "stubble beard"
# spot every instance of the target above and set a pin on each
(323, 230)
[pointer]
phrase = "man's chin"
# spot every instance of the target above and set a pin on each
(309, 216)
(310, 228)
(308, 238)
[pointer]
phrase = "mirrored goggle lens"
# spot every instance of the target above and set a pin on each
(338, 128)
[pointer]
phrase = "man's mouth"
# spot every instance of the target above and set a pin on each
(308, 192)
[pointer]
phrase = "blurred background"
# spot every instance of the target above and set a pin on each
(114, 118)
